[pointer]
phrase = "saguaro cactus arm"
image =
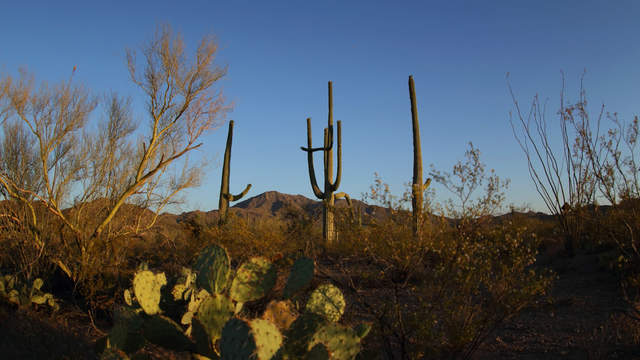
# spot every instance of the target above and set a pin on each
(310, 150)
(336, 183)
(343, 195)
(238, 196)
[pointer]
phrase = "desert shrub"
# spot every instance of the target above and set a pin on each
(441, 295)
(270, 237)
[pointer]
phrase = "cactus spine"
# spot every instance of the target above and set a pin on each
(417, 187)
(328, 196)
(225, 195)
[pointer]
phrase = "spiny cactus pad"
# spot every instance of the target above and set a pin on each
(213, 269)
(299, 277)
(281, 313)
(253, 280)
(236, 342)
(327, 300)
(256, 339)
(342, 342)
(125, 334)
(213, 313)
(203, 345)
(267, 337)
(146, 287)
(163, 331)
(300, 334)
(318, 352)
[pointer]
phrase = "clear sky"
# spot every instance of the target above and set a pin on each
(280, 56)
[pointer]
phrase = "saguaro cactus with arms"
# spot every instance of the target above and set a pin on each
(225, 195)
(329, 195)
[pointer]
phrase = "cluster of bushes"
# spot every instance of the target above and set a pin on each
(466, 274)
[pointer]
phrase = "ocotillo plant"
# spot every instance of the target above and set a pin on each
(329, 195)
(417, 186)
(225, 195)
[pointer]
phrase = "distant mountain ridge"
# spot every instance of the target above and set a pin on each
(273, 204)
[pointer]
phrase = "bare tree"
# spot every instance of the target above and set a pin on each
(562, 172)
(85, 178)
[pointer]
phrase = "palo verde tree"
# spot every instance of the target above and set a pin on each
(83, 179)
(225, 195)
(329, 195)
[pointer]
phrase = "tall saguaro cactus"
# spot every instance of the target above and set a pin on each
(417, 187)
(225, 195)
(329, 195)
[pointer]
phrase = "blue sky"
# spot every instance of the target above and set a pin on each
(280, 56)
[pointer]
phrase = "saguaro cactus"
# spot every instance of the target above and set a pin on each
(225, 195)
(329, 195)
(417, 186)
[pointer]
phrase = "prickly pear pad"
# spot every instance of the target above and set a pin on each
(213, 269)
(281, 313)
(267, 337)
(327, 301)
(253, 280)
(203, 346)
(125, 334)
(299, 277)
(300, 333)
(318, 352)
(213, 313)
(146, 287)
(237, 342)
(163, 331)
(342, 342)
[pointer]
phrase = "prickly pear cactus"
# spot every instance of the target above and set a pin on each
(23, 294)
(163, 331)
(300, 334)
(126, 332)
(236, 342)
(146, 287)
(212, 267)
(299, 277)
(256, 339)
(341, 342)
(267, 337)
(253, 280)
(318, 352)
(327, 301)
(280, 313)
(203, 344)
(184, 286)
(213, 313)
(192, 307)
